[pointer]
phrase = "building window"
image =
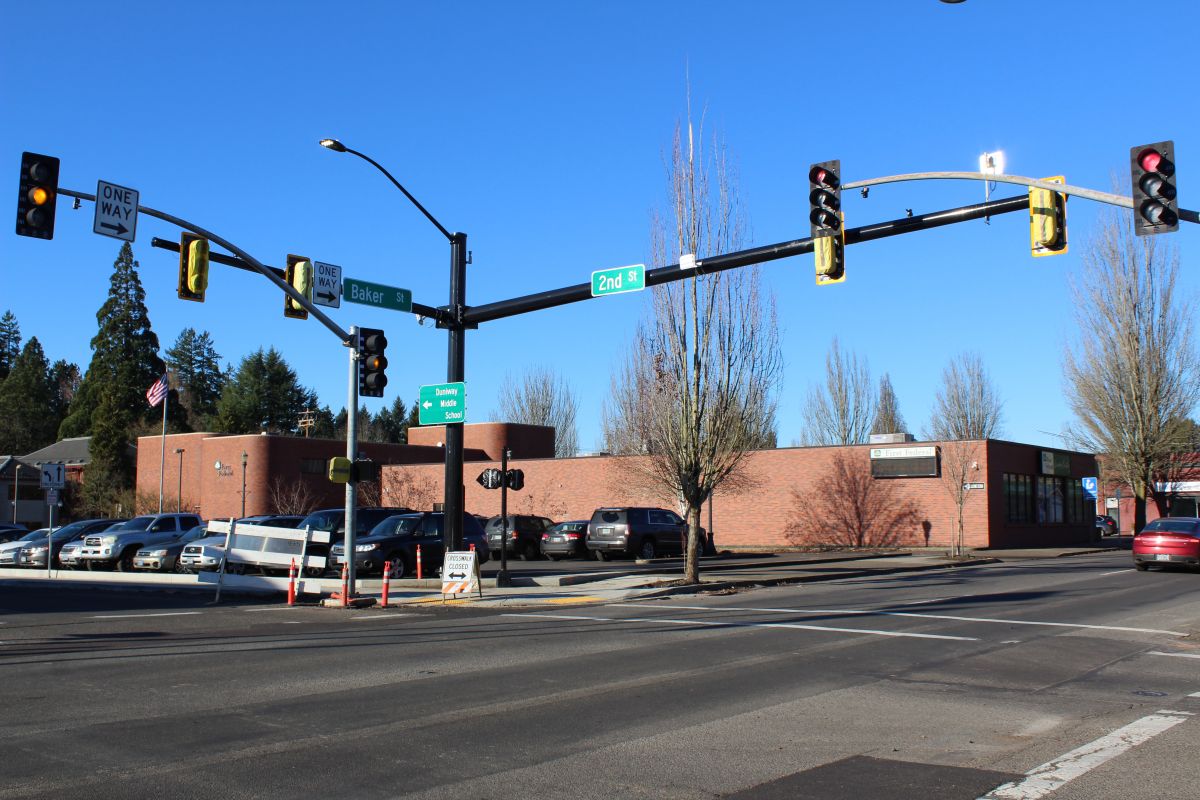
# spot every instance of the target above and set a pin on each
(1017, 493)
(1050, 500)
(1075, 501)
(312, 466)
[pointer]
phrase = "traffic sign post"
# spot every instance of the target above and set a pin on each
(376, 294)
(443, 404)
(1089, 488)
(328, 289)
(619, 280)
(53, 476)
(116, 211)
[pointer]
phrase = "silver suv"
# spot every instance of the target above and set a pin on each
(117, 546)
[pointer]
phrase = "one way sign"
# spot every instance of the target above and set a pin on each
(327, 288)
(116, 211)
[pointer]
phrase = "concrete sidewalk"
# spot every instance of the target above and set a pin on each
(572, 589)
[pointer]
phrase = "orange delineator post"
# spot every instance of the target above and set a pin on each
(345, 585)
(292, 584)
(418, 562)
(387, 576)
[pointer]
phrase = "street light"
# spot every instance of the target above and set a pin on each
(455, 368)
(179, 497)
(244, 457)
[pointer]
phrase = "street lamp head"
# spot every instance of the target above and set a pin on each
(179, 450)
(244, 457)
(334, 145)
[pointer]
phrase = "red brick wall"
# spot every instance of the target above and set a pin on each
(490, 438)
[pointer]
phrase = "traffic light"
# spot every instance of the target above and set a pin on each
(1155, 207)
(37, 196)
(825, 216)
(372, 363)
(1047, 220)
(193, 267)
(299, 276)
(515, 479)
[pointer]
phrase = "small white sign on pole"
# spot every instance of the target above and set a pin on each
(460, 574)
(116, 211)
(1111, 502)
(327, 288)
(54, 476)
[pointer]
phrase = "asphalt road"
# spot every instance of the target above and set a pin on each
(943, 684)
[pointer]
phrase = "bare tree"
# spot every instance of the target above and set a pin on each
(697, 388)
(542, 397)
(959, 463)
(841, 411)
(291, 497)
(967, 405)
(409, 488)
(887, 410)
(1132, 379)
(848, 507)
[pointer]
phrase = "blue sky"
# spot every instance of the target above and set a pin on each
(539, 130)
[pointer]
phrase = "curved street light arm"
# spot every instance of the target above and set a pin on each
(397, 184)
(240, 253)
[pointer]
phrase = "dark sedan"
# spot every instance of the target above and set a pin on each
(395, 541)
(566, 540)
(1168, 541)
(35, 554)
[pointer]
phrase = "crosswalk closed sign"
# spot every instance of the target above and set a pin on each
(460, 574)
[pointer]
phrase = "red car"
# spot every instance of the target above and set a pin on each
(1169, 540)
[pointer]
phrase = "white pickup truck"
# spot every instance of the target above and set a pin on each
(117, 546)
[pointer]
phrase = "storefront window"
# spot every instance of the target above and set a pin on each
(1050, 500)
(1017, 492)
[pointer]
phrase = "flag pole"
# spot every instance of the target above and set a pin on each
(162, 460)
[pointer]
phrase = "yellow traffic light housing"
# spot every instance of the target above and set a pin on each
(830, 253)
(827, 221)
(339, 469)
(1047, 220)
(193, 267)
(299, 276)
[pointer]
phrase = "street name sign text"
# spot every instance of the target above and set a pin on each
(617, 280)
(443, 404)
(376, 294)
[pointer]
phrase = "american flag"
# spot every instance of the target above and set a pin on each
(157, 392)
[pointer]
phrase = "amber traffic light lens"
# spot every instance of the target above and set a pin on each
(38, 195)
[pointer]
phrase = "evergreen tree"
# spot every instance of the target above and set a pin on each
(10, 343)
(264, 395)
(125, 358)
(324, 426)
(196, 369)
(110, 469)
(64, 380)
(393, 422)
(413, 421)
(26, 401)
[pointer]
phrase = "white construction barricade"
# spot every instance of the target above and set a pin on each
(460, 574)
(271, 547)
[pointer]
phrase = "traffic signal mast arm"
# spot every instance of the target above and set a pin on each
(248, 259)
(1088, 194)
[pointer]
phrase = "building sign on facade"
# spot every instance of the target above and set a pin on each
(1056, 464)
(904, 462)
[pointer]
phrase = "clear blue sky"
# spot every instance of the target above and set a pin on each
(539, 130)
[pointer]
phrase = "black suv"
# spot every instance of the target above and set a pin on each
(522, 535)
(334, 521)
(396, 539)
(638, 532)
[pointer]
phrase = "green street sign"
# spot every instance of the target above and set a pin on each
(442, 404)
(619, 279)
(376, 294)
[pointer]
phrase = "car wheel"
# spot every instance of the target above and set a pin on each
(601, 555)
(646, 551)
(399, 565)
(529, 552)
(180, 568)
(1140, 567)
(125, 562)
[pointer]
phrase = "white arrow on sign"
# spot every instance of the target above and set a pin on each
(427, 404)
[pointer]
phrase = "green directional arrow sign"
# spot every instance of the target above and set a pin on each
(376, 294)
(442, 404)
(619, 279)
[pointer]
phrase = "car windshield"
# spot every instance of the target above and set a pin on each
(570, 527)
(323, 520)
(1188, 526)
(396, 526)
(135, 524)
(33, 536)
(69, 531)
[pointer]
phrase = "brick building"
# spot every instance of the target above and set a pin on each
(1022, 495)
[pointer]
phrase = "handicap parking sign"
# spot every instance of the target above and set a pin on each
(1089, 488)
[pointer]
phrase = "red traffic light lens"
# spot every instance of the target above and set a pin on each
(1150, 160)
(823, 177)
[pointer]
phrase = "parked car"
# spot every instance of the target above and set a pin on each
(395, 540)
(334, 521)
(633, 531)
(10, 531)
(521, 535)
(566, 539)
(118, 546)
(1168, 540)
(273, 520)
(164, 557)
(34, 554)
(1106, 525)
(202, 554)
(10, 550)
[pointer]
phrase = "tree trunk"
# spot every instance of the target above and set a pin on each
(691, 569)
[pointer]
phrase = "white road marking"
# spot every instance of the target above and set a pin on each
(1115, 572)
(923, 602)
(273, 608)
(864, 612)
(1194, 694)
(381, 616)
(790, 625)
(1041, 781)
(132, 615)
(1176, 655)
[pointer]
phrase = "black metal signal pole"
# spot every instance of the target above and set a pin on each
(455, 372)
(502, 576)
